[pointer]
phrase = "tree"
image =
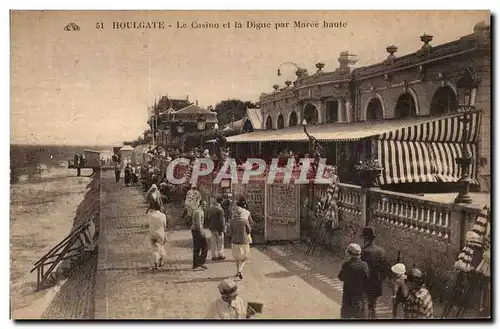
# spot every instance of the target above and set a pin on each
(230, 110)
(250, 105)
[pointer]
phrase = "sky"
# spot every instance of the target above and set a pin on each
(93, 86)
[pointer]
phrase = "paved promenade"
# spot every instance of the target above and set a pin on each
(288, 283)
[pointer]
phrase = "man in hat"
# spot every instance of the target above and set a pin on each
(418, 304)
(375, 257)
(354, 274)
(230, 306)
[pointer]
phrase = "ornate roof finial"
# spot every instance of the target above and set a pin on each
(320, 67)
(425, 38)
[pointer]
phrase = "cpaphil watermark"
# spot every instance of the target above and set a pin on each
(293, 172)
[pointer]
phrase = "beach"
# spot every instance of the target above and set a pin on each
(42, 213)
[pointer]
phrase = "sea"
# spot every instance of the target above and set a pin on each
(44, 197)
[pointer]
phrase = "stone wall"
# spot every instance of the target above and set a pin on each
(417, 232)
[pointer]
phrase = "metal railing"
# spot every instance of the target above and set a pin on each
(70, 247)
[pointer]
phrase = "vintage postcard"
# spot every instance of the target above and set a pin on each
(250, 165)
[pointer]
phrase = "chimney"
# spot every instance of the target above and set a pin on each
(197, 103)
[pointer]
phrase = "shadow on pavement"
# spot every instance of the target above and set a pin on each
(280, 274)
(200, 280)
(186, 243)
(292, 269)
(136, 268)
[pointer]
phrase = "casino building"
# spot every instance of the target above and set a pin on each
(405, 111)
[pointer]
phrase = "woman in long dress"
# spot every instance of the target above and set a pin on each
(239, 230)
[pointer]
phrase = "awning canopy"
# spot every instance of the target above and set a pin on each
(427, 152)
(442, 128)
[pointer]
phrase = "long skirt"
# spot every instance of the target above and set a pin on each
(241, 251)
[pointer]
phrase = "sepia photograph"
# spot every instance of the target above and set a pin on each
(231, 164)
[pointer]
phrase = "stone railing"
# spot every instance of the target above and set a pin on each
(412, 213)
(349, 202)
(412, 229)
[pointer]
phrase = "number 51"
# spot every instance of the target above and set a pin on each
(99, 25)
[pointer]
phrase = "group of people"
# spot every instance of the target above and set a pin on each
(219, 221)
(78, 163)
(363, 274)
(205, 218)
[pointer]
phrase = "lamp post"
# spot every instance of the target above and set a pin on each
(466, 90)
(299, 71)
(201, 127)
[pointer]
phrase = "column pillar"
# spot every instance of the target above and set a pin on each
(340, 110)
(348, 107)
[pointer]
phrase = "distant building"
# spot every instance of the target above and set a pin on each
(251, 121)
(171, 124)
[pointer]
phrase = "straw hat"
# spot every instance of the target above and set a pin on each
(354, 249)
(398, 269)
(228, 287)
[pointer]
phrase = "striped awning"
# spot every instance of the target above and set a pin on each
(447, 129)
(416, 129)
(422, 162)
(427, 152)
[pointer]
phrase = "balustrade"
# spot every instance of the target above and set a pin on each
(412, 213)
(349, 200)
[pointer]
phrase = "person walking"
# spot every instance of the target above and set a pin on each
(157, 226)
(200, 243)
(229, 306)
(153, 195)
(375, 257)
(354, 274)
(418, 303)
(192, 202)
(217, 224)
(76, 164)
(239, 230)
(118, 170)
(128, 174)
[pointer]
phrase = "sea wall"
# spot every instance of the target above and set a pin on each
(75, 299)
(88, 210)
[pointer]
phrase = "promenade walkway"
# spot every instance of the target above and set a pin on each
(288, 283)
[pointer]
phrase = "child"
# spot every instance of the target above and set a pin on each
(399, 288)
(229, 306)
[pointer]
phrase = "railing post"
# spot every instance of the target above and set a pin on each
(364, 206)
(456, 225)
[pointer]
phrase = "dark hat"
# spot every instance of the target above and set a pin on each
(368, 232)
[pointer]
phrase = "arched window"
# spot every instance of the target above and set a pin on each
(405, 107)
(269, 123)
(281, 122)
(443, 101)
(293, 119)
(311, 114)
(374, 110)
